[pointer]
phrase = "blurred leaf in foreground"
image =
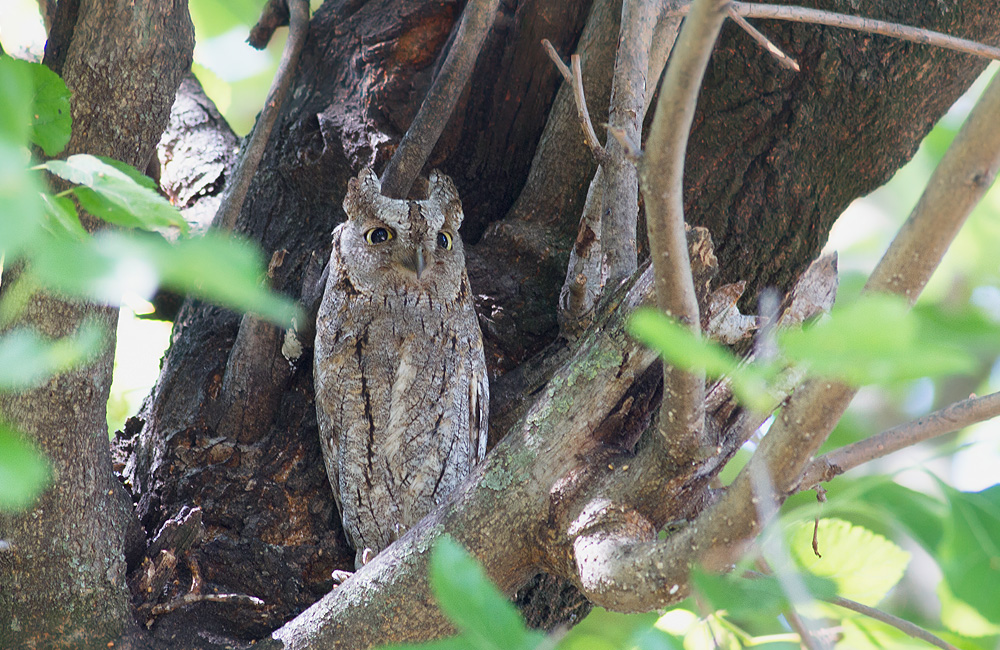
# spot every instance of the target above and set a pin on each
(23, 471)
(970, 552)
(216, 267)
(682, 349)
(876, 339)
(125, 198)
(27, 359)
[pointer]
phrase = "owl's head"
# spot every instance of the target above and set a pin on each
(402, 243)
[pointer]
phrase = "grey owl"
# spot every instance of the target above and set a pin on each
(402, 395)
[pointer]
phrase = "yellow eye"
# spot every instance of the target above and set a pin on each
(444, 240)
(378, 235)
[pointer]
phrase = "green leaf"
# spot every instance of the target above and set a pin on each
(864, 566)
(477, 608)
(129, 171)
(604, 630)
(27, 360)
(51, 121)
(23, 471)
(960, 617)
(15, 109)
(20, 202)
(216, 267)
(969, 556)
(224, 269)
(876, 339)
(115, 196)
(682, 349)
(63, 221)
(35, 106)
(740, 596)
(921, 515)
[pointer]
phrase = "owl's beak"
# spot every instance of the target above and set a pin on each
(415, 262)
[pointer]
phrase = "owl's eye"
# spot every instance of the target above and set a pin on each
(444, 240)
(378, 235)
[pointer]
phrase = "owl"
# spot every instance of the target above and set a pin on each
(402, 394)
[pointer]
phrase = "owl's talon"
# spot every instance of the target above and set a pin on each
(340, 576)
(366, 556)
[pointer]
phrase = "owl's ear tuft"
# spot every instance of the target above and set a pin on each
(441, 190)
(362, 193)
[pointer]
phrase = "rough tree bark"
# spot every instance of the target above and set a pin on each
(774, 158)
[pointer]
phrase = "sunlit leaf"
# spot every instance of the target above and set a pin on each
(226, 270)
(876, 339)
(970, 553)
(680, 348)
(476, 607)
(113, 195)
(864, 566)
(23, 471)
(962, 617)
(27, 359)
(739, 596)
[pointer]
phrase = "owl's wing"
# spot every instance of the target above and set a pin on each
(326, 366)
(479, 410)
(479, 389)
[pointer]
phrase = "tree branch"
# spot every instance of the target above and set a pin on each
(629, 85)
(574, 78)
(947, 420)
(783, 59)
(966, 171)
(436, 109)
(857, 23)
(246, 167)
(662, 177)
(900, 624)
(720, 535)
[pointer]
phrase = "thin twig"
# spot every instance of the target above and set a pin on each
(246, 167)
(951, 418)
(661, 175)
(857, 23)
(438, 104)
(900, 624)
(620, 197)
(581, 105)
(784, 60)
(574, 78)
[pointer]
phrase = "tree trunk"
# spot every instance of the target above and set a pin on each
(774, 158)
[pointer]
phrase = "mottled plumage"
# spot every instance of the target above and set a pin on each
(402, 394)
